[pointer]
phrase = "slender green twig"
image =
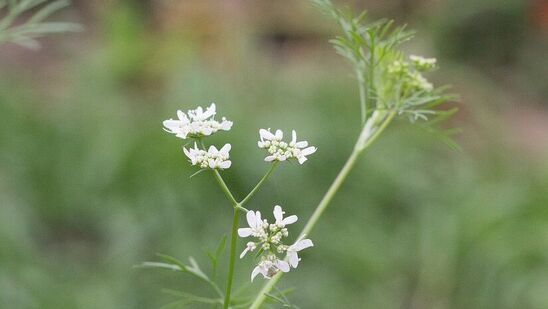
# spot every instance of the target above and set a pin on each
(260, 183)
(230, 276)
(225, 189)
(361, 89)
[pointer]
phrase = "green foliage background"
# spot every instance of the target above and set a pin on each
(90, 184)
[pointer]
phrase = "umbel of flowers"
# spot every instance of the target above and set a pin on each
(269, 240)
(196, 123)
(278, 150)
(274, 254)
(410, 72)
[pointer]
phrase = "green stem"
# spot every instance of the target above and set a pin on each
(260, 183)
(320, 209)
(361, 88)
(225, 189)
(232, 260)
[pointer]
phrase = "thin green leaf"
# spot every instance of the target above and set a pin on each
(48, 10)
(159, 265)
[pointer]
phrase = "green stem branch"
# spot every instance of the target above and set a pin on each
(225, 189)
(230, 276)
(260, 183)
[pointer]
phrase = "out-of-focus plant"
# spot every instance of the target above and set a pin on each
(391, 85)
(26, 32)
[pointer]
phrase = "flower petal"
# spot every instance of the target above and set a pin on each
(225, 164)
(181, 115)
(226, 148)
(255, 272)
(244, 252)
(293, 258)
(245, 232)
(226, 125)
(266, 134)
(308, 151)
(302, 244)
(290, 220)
(251, 219)
(278, 213)
(283, 266)
(279, 134)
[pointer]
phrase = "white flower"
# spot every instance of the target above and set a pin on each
(279, 215)
(269, 266)
(270, 238)
(279, 150)
(213, 158)
(292, 250)
(421, 63)
(418, 81)
(198, 123)
(398, 67)
(255, 223)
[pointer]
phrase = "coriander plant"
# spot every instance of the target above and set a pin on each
(390, 85)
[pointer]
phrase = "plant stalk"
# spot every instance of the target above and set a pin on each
(230, 276)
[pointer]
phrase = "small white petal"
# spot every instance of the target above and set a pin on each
(293, 258)
(290, 220)
(207, 131)
(255, 272)
(245, 232)
(302, 244)
(187, 153)
(278, 213)
(244, 252)
(270, 158)
(258, 219)
(225, 164)
(226, 125)
(266, 134)
(279, 134)
(283, 266)
(308, 151)
(251, 218)
(293, 137)
(226, 148)
(301, 144)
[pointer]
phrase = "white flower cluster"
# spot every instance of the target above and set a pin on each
(279, 150)
(416, 80)
(198, 123)
(270, 243)
(412, 71)
(423, 64)
(212, 158)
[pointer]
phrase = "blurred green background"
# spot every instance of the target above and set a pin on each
(90, 184)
